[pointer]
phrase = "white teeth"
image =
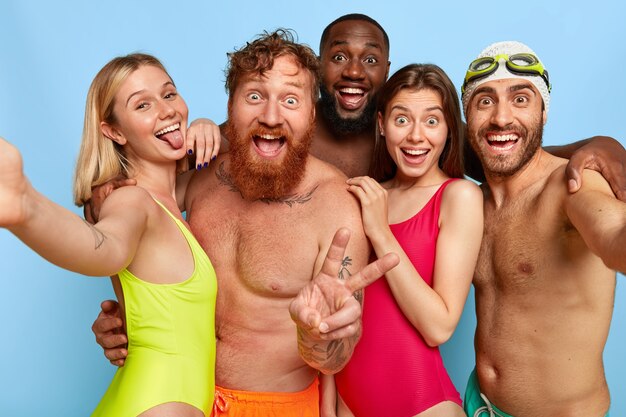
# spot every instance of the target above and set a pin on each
(506, 147)
(502, 138)
(167, 129)
(268, 137)
(415, 152)
(352, 91)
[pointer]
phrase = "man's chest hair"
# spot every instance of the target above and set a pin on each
(520, 243)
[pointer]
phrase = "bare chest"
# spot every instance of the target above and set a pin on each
(269, 248)
(521, 243)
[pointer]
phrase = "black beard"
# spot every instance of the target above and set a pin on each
(341, 126)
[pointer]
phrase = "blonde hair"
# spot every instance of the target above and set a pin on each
(101, 159)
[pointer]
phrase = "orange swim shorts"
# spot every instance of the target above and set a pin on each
(233, 403)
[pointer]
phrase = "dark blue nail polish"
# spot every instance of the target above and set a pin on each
(213, 157)
(190, 151)
(199, 167)
(206, 164)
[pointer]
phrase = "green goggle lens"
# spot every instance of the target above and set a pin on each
(522, 64)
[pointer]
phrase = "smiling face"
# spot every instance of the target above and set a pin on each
(270, 125)
(150, 117)
(505, 125)
(354, 66)
(415, 131)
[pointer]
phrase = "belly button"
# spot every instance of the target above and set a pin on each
(491, 373)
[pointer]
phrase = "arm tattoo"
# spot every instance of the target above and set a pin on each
(98, 236)
(329, 356)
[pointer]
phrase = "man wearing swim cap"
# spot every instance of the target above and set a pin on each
(546, 272)
(354, 64)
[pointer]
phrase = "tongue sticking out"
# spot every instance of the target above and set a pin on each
(174, 138)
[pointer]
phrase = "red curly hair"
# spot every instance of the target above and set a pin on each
(258, 56)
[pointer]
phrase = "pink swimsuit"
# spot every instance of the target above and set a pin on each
(393, 372)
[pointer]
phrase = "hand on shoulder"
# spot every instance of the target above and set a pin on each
(603, 154)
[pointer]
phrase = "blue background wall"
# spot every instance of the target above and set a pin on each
(50, 51)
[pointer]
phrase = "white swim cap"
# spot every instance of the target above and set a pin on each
(508, 48)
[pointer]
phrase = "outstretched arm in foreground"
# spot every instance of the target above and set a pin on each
(327, 315)
(61, 236)
(600, 219)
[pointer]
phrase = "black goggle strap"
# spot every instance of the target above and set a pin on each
(526, 71)
(494, 65)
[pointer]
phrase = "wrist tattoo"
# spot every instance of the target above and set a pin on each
(329, 356)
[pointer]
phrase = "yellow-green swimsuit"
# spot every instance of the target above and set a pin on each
(171, 341)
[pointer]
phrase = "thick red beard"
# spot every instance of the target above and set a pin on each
(256, 178)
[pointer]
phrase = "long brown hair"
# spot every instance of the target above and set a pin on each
(416, 77)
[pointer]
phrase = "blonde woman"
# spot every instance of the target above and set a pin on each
(135, 127)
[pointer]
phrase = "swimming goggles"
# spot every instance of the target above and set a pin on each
(521, 64)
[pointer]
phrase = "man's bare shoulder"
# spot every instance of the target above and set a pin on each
(555, 182)
(593, 180)
(331, 183)
(325, 171)
(333, 200)
(335, 207)
(206, 178)
(557, 201)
